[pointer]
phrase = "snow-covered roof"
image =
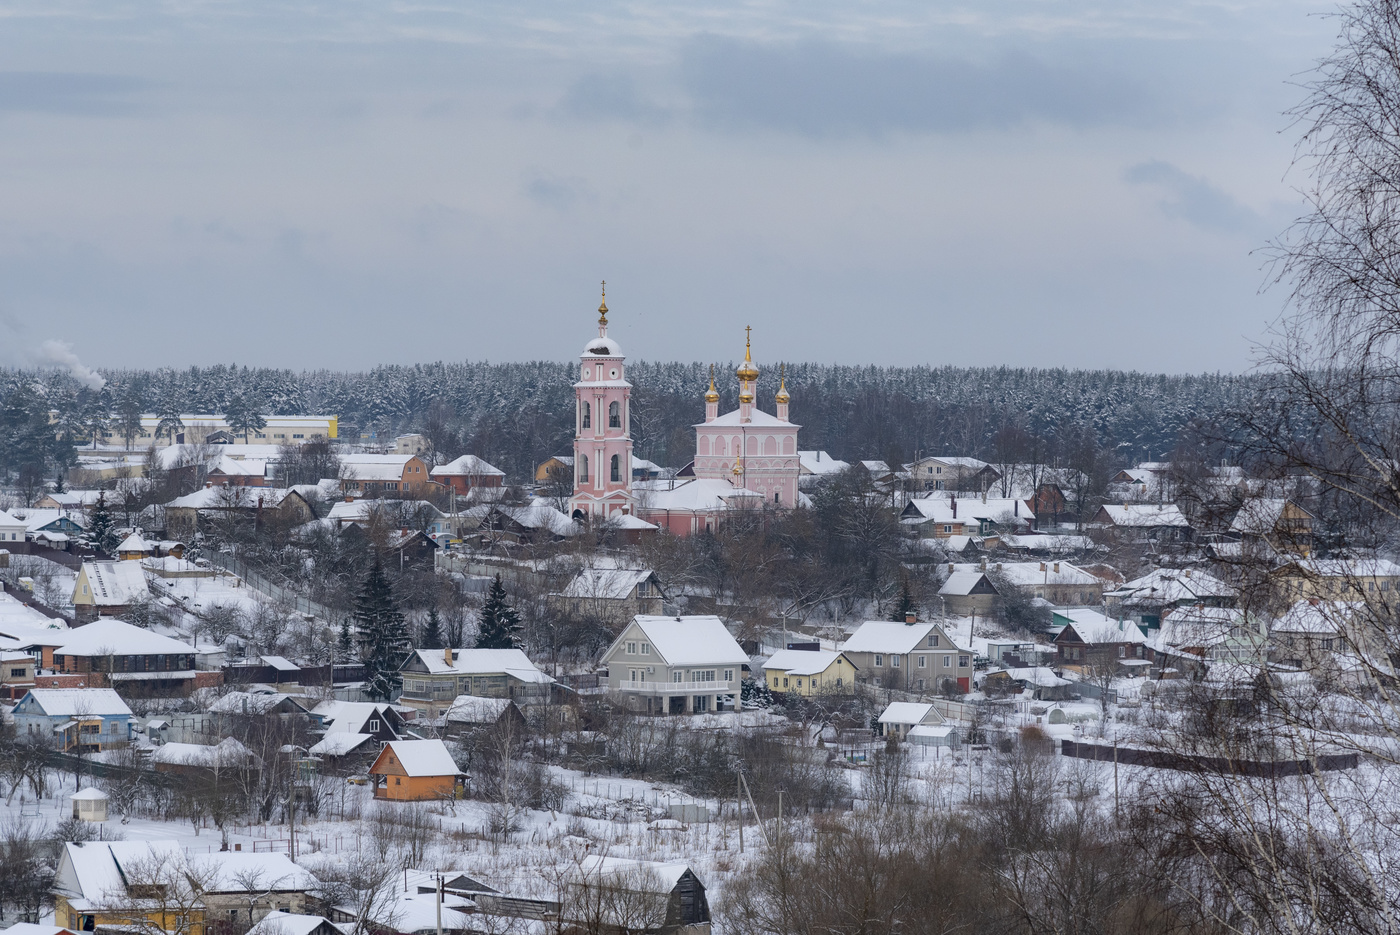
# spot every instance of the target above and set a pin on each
(910, 712)
(226, 753)
(1093, 627)
(1196, 626)
(1147, 515)
(698, 495)
(942, 508)
(819, 463)
(691, 640)
(246, 467)
(74, 702)
(757, 419)
(1171, 586)
(288, 923)
(466, 465)
(11, 521)
(229, 498)
(1259, 515)
(628, 521)
(347, 716)
(423, 757)
(89, 794)
(36, 518)
(280, 663)
(134, 543)
(648, 875)
(1044, 542)
(473, 709)
(250, 703)
(1322, 617)
(339, 743)
(1347, 567)
(540, 516)
(606, 583)
(94, 872)
(802, 661)
(1039, 676)
(883, 636)
(961, 582)
(115, 584)
(512, 662)
(1037, 574)
(232, 871)
(107, 637)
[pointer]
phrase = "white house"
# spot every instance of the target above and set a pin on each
(676, 665)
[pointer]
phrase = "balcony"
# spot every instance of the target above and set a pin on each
(680, 688)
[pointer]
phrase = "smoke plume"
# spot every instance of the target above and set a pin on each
(60, 354)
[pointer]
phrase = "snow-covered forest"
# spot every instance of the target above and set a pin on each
(516, 414)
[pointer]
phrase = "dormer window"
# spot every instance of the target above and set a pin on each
(373, 725)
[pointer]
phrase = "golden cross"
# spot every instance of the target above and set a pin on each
(605, 288)
(747, 334)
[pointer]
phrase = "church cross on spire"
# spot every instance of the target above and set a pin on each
(603, 312)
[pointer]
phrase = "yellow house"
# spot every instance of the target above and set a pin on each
(810, 672)
(131, 885)
(1341, 579)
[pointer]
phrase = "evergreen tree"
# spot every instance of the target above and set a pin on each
(905, 604)
(345, 646)
(384, 642)
(431, 637)
(100, 525)
(500, 624)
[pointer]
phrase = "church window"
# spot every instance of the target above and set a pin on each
(614, 416)
(704, 444)
(753, 445)
(583, 467)
(770, 445)
(587, 417)
(616, 469)
(789, 445)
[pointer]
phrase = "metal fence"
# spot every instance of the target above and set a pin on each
(271, 589)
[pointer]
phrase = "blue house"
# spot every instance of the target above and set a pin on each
(76, 720)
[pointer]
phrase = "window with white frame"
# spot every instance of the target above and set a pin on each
(646, 649)
(631, 649)
(729, 675)
(678, 676)
(879, 661)
(923, 662)
(894, 662)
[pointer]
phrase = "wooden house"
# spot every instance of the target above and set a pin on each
(416, 771)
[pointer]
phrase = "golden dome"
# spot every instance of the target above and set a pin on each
(738, 466)
(783, 396)
(713, 395)
(747, 370)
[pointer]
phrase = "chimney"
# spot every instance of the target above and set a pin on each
(447, 655)
(1016, 507)
(1057, 568)
(1042, 566)
(911, 617)
(954, 501)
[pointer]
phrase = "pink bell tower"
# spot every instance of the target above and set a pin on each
(602, 429)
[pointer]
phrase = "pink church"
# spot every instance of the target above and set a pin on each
(602, 435)
(748, 447)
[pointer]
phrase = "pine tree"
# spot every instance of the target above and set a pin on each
(500, 624)
(100, 525)
(906, 604)
(345, 646)
(384, 642)
(431, 635)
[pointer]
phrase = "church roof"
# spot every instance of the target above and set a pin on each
(757, 417)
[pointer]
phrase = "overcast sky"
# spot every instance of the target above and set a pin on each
(339, 184)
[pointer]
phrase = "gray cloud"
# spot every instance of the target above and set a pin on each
(559, 193)
(821, 90)
(68, 93)
(610, 97)
(1193, 198)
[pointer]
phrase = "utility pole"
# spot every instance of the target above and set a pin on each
(438, 903)
(739, 801)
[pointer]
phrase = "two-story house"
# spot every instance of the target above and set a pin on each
(676, 665)
(911, 655)
(368, 473)
(468, 473)
(113, 653)
(1088, 638)
(432, 678)
(943, 516)
(108, 589)
(1277, 522)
